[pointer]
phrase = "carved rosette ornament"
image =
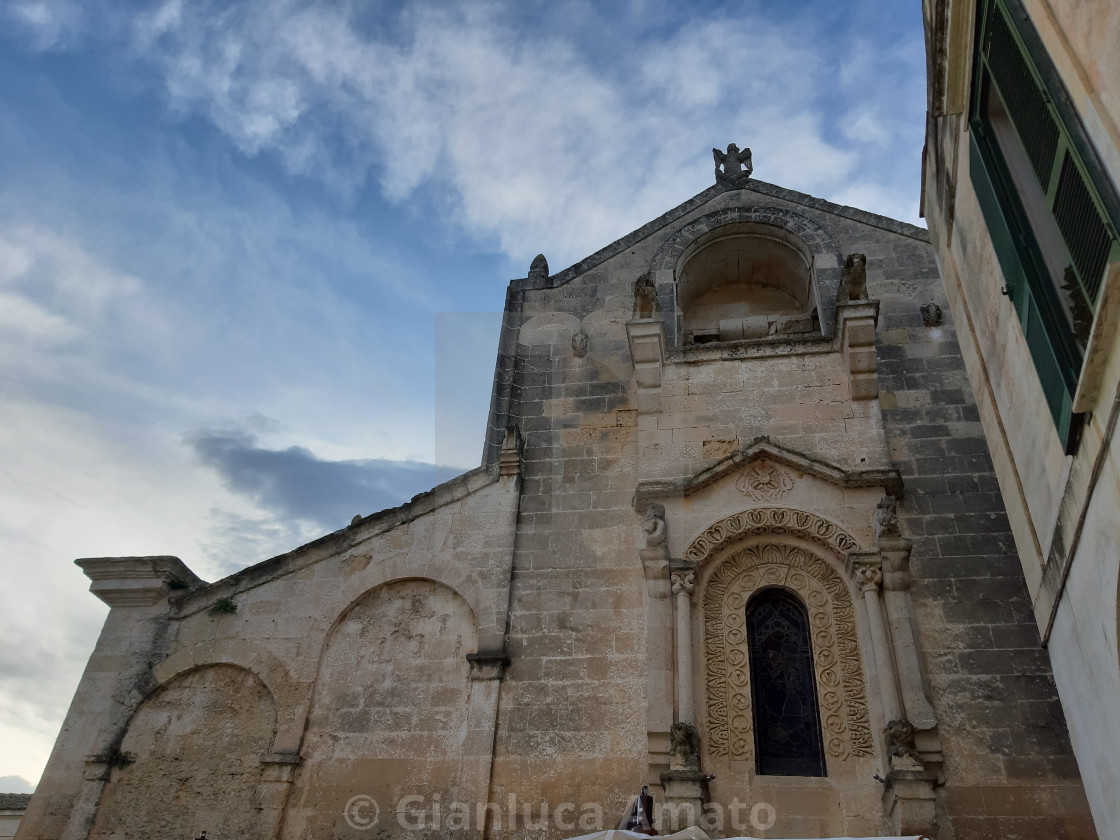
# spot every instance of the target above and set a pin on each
(764, 482)
(841, 685)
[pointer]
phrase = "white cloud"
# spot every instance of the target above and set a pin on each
(528, 140)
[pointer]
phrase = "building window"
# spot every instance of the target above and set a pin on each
(787, 720)
(1050, 210)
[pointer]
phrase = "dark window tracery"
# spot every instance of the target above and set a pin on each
(787, 723)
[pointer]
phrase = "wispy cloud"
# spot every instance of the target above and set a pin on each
(521, 134)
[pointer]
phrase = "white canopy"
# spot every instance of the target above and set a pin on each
(695, 833)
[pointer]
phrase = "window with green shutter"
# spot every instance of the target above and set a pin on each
(1051, 212)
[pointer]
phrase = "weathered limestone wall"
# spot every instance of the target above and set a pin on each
(193, 760)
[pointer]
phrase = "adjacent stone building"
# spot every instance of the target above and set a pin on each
(736, 537)
(1021, 167)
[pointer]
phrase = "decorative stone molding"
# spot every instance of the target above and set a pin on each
(764, 481)
(859, 320)
(647, 350)
(841, 686)
(775, 521)
(137, 581)
(763, 449)
(488, 665)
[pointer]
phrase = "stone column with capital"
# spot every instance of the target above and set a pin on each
(684, 783)
(683, 583)
(869, 578)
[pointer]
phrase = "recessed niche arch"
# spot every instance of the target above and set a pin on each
(745, 280)
(191, 760)
(771, 263)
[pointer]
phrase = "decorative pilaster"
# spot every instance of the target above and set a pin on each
(908, 797)
(869, 578)
(895, 550)
(683, 584)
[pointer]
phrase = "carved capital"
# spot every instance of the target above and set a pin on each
(683, 582)
(869, 579)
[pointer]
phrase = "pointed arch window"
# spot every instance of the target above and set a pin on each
(787, 719)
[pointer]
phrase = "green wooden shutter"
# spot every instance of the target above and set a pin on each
(1055, 145)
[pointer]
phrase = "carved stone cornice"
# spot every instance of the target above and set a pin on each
(137, 581)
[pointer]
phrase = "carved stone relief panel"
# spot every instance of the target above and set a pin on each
(841, 685)
(764, 481)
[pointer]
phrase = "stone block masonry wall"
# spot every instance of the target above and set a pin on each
(571, 720)
(1008, 762)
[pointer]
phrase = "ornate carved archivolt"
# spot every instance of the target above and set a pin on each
(775, 521)
(841, 686)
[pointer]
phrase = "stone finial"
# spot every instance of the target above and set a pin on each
(855, 277)
(509, 459)
(737, 166)
(931, 314)
(645, 298)
(579, 344)
(539, 269)
(885, 523)
(653, 525)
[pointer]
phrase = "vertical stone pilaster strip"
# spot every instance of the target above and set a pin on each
(683, 585)
(869, 580)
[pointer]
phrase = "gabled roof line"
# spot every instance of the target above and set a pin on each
(762, 446)
(698, 200)
(325, 546)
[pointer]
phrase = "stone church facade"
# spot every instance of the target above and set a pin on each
(736, 537)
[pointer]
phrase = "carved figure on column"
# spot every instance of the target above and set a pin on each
(900, 746)
(645, 298)
(684, 749)
(855, 277)
(653, 525)
(885, 523)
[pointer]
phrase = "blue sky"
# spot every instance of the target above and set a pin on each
(252, 254)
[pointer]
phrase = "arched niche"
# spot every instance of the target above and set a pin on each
(781, 265)
(390, 711)
(745, 280)
(191, 760)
